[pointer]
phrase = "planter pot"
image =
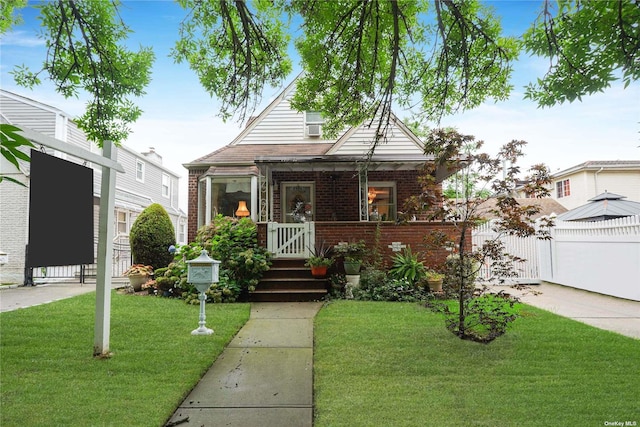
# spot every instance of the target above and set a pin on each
(137, 280)
(352, 267)
(353, 281)
(319, 271)
(435, 285)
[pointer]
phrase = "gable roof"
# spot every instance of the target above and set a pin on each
(278, 134)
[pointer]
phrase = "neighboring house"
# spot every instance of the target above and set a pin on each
(573, 187)
(144, 182)
(302, 188)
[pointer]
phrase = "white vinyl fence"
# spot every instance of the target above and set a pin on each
(523, 247)
(601, 256)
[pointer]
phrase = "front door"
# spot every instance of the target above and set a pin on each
(297, 202)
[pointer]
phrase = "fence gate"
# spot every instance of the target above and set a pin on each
(527, 271)
(295, 240)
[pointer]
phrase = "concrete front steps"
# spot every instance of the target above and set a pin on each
(288, 280)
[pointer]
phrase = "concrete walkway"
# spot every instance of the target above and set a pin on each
(602, 311)
(263, 378)
(13, 298)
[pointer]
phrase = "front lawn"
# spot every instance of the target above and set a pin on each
(49, 377)
(395, 364)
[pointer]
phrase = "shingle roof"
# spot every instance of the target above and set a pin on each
(247, 153)
(547, 207)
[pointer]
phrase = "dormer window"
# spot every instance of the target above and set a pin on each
(313, 124)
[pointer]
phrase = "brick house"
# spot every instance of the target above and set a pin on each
(301, 188)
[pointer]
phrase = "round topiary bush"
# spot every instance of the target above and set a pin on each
(151, 235)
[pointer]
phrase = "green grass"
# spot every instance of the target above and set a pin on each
(50, 378)
(395, 364)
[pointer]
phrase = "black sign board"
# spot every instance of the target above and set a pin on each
(60, 212)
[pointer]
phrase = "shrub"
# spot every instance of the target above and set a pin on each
(172, 281)
(338, 283)
(151, 235)
(487, 316)
(376, 286)
(234, 242)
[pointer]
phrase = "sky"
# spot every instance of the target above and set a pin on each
(180, 119)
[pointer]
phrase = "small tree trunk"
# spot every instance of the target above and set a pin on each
(462, 282)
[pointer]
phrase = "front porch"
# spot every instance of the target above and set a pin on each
(292, 243)
(296, 240)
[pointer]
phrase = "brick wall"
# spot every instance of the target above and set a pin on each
(336, 193)
(410, 234)
(192, 203)
(14, 208)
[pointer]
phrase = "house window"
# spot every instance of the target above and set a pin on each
(381, 198)
(313, 123)
(182, 232)
(139, 170)
(166, 185)
(563, 189)
(227, 193)
(202, 201)
(297, 201)
(122, 223)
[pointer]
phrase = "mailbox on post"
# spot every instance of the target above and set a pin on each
(202, 272)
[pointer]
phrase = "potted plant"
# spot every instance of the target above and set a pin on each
(320, 261)
(352, 254)
(434, 279)
(138, 274)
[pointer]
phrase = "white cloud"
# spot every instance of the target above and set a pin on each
(601, 127)
(181, 141)
(21, 39)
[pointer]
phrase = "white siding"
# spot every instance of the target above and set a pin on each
(282, 125)
(26, 114)
(361, 140)
(588, 184)
(131, 194)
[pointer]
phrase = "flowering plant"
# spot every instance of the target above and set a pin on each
(139, 269)
(149, 284)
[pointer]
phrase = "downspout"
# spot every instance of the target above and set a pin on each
(595, 181)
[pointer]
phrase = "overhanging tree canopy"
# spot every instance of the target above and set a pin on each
(359, 57)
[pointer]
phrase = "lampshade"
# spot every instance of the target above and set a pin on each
(242, 209)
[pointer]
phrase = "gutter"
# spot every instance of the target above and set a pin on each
(595, 180)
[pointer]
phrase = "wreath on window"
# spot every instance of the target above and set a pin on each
(299, 208)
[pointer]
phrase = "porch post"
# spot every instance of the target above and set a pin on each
(255, 200)
(364, 188)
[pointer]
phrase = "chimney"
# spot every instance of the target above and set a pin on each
(152, 155)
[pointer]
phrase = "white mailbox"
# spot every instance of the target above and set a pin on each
(202, 272)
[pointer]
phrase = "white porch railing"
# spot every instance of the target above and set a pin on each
(291, 240)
